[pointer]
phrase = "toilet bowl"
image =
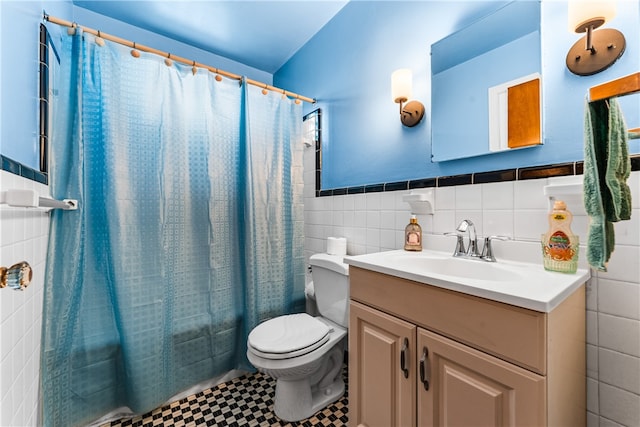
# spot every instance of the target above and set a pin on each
(305, 354)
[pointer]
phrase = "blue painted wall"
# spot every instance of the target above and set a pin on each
(19, 32)
(348, 64)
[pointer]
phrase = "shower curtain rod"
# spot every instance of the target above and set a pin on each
(169, 56)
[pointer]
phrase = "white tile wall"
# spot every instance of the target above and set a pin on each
(375, 222)
(23, 237)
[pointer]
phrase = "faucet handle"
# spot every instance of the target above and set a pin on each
(459, 250)
(487, 250)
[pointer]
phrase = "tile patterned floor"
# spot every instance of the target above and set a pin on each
(244, 401)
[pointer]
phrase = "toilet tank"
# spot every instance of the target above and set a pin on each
(331, 286)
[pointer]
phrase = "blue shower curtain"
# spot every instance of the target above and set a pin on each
(189, 230)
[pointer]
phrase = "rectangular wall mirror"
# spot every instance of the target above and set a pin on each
(486, 85)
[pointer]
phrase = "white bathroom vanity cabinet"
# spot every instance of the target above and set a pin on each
(422, 355)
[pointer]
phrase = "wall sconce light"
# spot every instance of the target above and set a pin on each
(597, 50)
(401, 84)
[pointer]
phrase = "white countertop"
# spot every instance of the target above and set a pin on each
(521, 284)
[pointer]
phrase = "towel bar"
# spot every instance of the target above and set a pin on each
(30, 199)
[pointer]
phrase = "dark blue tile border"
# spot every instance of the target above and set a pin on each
(10, 166)
(395, 186)
(547, 171)
(423, 183)
(450, 181)
(494, 176)
(19, 169)
(519, 174)
(376, 188)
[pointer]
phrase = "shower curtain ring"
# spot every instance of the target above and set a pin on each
(194, 70)
(168, 61)
(218, 76)
(134, 51)
(99, 39)
(265, 91)
(72, 30)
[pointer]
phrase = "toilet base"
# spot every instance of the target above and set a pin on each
(294, 400)
(308, 383)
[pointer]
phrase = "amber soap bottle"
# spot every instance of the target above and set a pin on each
(413, 235)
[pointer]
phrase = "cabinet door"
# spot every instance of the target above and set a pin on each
(471, 388)
(381, 392)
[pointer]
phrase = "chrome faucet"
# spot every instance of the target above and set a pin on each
(467, 226)
(471, 251)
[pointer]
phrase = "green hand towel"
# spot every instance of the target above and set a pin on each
(607, 165)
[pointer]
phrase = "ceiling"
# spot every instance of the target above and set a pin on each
(262, 34)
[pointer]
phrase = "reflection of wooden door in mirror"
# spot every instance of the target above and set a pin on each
(524, 114)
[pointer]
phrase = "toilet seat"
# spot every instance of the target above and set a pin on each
(288, 336)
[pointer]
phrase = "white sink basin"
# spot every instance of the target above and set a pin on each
(430, 264)
(525, 285)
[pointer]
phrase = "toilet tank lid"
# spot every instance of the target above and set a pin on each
(331, 262)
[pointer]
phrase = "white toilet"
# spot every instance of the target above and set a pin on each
(304, 353)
